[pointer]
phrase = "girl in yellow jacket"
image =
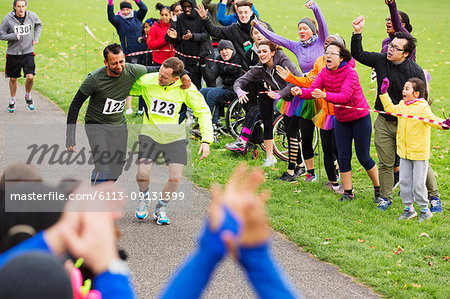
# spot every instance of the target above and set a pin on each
(413, 144)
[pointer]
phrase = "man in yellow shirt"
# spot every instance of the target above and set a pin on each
(161, 132)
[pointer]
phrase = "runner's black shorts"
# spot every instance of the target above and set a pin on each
(174, 152)
(15, 63)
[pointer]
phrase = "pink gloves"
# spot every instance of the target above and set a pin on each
(110, 2)
(384, 85)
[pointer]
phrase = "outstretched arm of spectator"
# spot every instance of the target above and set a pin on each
(321, 24)
(142, 10)
(277, 39)
(112, 18)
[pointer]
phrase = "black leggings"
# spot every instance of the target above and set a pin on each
(291, 126)
(307, 129)
(330, 153)
(266, 110)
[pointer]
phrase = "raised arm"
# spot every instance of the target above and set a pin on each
(366, 58)
(323, 29)
(142, 10)
(112, 18)
(277, 39)
(395, 17)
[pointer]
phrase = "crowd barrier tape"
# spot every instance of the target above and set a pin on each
(396, 114)
(86, 27)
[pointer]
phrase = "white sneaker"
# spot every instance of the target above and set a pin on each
(141, 210)
(160, 216)
(270, 162)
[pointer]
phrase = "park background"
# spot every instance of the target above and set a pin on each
(397, 259)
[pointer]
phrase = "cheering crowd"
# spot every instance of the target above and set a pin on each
(197, 58)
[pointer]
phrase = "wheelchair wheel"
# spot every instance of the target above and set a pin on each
(280, 140)
(235, 118)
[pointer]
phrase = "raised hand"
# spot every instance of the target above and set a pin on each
(388, 1)
(358, 24)
(309, 3)
(185, 81)
(283, 72)
(172, 33)
(385, 85)
(201, 11)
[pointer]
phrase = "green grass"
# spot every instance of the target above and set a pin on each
(307, 214)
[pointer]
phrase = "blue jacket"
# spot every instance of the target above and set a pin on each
(129, 30)
(227, 20)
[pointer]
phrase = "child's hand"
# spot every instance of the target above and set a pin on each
(384, 85)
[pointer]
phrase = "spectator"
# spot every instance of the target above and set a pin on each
(175, 10)
(224, 12)
(238, 33)
(341, 83)
(270, 56)
(191, 38)
(307, 50)
(413, 144)
(228, 74)
(128, 24)
(324, 119)
(156, 38)
(395, 66)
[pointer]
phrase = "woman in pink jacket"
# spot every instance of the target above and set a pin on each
(341, 82)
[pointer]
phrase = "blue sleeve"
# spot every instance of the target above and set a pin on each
(222, 18)
(193, 276)
(267, 278)
(113, 19)
(114, 286)
(35, 243)
(142, 10)
(255, 11)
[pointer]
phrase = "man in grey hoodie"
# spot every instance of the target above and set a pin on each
(22, 29)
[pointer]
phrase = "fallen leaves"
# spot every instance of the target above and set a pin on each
(430, 264)
(398, 251)
(446, 258)
(424, 235)
(361, 240)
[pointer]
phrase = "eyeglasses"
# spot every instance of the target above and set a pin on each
(331, 53)
(395, 48)
(387, 19)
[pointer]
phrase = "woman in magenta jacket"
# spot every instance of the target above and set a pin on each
(341, 82)
(156, 36)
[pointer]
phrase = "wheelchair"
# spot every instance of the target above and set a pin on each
(235, 116)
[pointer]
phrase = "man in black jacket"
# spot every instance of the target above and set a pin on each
(395, 66)
(238, 33)
(190, 37)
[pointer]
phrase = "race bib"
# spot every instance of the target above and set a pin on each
(113, 106)
(22, 29)
(163, 108)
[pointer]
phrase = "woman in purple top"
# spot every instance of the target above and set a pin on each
(307, 49)
(312, 39)
(398, 21)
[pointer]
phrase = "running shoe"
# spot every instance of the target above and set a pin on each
(287, 177)
(407, 214)
(435, 205)
(310, 178)
(270, 162)
(379, 199)
(299, 170)
(384, 204)
(141, 210)
(12, 106)
(140, 112)
(339, 189)
(347, 197)
(424, 215)
(30, 104)
(237, 145)
(160, 216)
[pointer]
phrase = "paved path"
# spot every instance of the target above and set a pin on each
(154, 252)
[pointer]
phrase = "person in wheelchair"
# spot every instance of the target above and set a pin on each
(216, 97)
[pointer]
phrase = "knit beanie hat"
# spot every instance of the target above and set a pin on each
(338, 39)
(125, 4)
(309, 23)
(225, 44)
(35, 275)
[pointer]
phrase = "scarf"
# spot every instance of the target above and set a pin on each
(309, 42)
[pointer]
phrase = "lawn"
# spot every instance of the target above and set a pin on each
(359, 239)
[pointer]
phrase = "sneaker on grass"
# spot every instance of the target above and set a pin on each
(425, 215)
(408, 214)
(339, 189)
(384, 204)
(310, 178)
(435, 205)
(347, 197)
(237, 145)
(299, 170)
(287, 177)
(270, 162)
